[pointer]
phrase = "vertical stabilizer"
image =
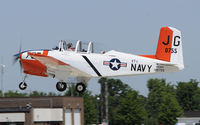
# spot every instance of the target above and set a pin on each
(170, 46)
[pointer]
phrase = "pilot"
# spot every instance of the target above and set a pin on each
(69, 47)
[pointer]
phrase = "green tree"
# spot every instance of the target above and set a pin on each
(72, 91)
(188, 95)
(162, 105)
(1, 94)
(196, 99)
(116, 88)
(14, 94)
(131, 110)
(52, 94)
(121, 98)
(169, 109)
(36, 93)
(90, 109)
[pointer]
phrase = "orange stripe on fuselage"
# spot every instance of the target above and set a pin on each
(149, 56)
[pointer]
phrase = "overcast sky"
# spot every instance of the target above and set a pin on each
(124, 25)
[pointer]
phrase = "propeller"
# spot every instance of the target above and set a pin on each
(17, 58)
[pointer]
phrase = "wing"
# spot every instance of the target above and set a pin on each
(54, 66)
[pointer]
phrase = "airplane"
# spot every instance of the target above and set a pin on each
(64, 62)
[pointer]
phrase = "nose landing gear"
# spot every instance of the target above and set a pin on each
(22, 84)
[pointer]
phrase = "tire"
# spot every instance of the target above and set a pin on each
(22, 86)
(80, 87)
(61, 86)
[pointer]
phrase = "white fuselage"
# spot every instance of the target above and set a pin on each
(112, 63)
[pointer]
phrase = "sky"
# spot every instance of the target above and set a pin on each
(130, 26)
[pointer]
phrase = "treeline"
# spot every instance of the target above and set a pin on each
(164, 103)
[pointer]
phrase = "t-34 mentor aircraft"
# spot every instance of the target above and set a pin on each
(64, 62)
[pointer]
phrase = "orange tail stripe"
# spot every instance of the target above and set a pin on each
(164, 42)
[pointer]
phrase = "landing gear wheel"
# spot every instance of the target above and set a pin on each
(22, 85)
(80, 87)
(61, 86)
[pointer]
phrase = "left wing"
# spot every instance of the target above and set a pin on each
(54, 65)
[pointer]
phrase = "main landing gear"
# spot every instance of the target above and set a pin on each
(80, 87)
(61, 86)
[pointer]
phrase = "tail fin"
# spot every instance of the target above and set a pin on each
(170, 46)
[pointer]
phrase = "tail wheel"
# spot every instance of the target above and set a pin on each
(22, 85)
(61, 86)
(80, 87)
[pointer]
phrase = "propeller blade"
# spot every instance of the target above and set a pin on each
(20, 47)
(20, 65)
(16, 58)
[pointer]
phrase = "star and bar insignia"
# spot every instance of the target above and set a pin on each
(115, 64)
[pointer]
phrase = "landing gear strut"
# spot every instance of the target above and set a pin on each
(61, 86)
(80, 87)
(22, 84)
